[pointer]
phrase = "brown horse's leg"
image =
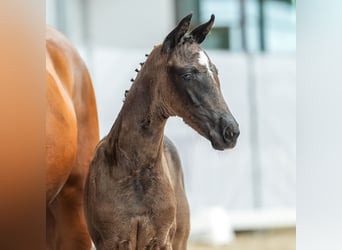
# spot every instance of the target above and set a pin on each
(70, 222)
(50, 230)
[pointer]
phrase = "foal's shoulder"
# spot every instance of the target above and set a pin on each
(174, 161)
(170, 151)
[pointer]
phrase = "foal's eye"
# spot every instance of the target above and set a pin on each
(187, 76)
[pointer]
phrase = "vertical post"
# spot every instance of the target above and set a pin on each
(261, 11)
(253, 111)
(184, 7)
(243, 26)
(254, 132)
(86, 37)
(85, 21)
(60, 16)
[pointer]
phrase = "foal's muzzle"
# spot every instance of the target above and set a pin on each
(225, 133)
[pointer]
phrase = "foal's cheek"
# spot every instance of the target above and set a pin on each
(179, 86)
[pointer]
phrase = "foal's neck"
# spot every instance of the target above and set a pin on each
(136, 138)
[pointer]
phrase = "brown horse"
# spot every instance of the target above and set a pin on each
(135, 196)
(71, 137)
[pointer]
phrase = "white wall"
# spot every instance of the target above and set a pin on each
(144, 22)
(107, 25)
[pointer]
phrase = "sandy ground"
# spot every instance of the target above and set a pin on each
(284, 239)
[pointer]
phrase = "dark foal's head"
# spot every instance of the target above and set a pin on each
(191, 88)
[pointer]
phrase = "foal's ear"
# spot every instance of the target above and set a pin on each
(175, 35)
(202, 31)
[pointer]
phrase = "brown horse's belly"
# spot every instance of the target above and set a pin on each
(61, 136)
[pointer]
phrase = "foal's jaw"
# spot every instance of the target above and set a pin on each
(220, 129)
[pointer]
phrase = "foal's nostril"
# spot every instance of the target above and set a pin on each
(230, 134)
